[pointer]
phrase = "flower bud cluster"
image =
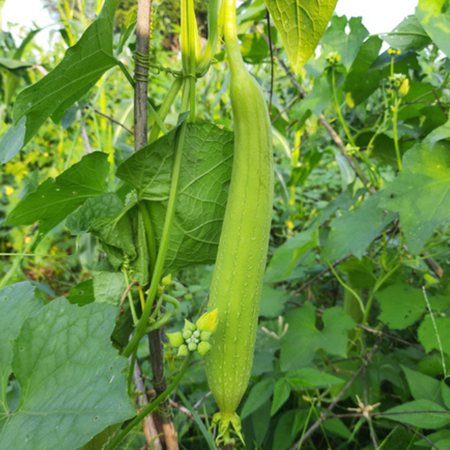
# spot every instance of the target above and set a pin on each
(333, 58)
(398, 82)
(393, 51)
(195, 337)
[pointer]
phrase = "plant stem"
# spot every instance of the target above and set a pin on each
(159, 265)
(165, 107)
(395, 129)
(151, 407)
(151, 242)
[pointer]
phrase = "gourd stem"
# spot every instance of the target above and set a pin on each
(150, 407)
(231, 40)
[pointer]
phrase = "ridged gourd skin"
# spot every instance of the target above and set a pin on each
(241, 259)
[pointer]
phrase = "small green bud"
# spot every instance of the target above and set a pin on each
(187, 333)
(192, 346)
(196, 334)
(189, 325)
(204, 348)
(205, 336)
(175, 339)
(208, 322)
(183, 350)
(160, 290)
(167, 281)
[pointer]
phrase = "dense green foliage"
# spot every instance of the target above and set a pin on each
(355, 303)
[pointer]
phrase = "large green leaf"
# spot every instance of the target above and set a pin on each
(336, 39)
(54, 200)
(355, 230)
(434, 16)
(202, 191)
(17, 302)
(81, 68)
(401, 305)
(303, 338)
(71, 378)
(408, 35)
(359, 82)
(12, 141)
(423, 387)
(417, 414)
(421, 193)
(106, 217)
(288, 255)
(301, 24)
(428, 334)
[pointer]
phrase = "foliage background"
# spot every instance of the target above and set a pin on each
(309, 343)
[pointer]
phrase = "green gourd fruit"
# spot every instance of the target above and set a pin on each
(241, 259)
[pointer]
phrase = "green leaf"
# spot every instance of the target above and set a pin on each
(254, 48)
(301, 24)
(284, 436)
(261, 423)
(401, 305)
(303, 338)
(64, 362)
(17, 302)
(82, 294)
(272, 302)
(316, 101)
(437, 438)
(82, 66)
(13, 64)
(281, 394)
(260, 393)
(108, 287)
(12, 141)
(54, 200)
(288, 255)
(423, 418)
(408, 35)
(106, 217)
(355, 230)
(202, 191)
(308, 378)
(359, 82)
(337, 427)
(336, 39)
(434, 16)
(440, 133)
(360, 273)
(425, 176)
(428, 336)
(423, 387)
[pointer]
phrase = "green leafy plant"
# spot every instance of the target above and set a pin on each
(334, 163)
